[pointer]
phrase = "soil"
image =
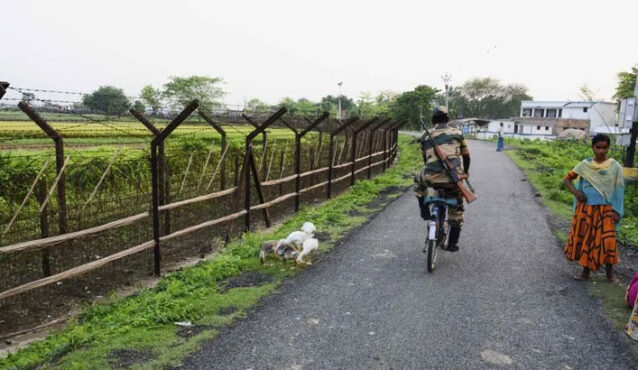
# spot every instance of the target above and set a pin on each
(247, 279)
(125, 358)
(227, 310)
(191, 331)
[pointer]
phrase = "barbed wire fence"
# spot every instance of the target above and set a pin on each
(71, 214)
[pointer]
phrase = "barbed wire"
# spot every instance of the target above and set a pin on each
(22, 89)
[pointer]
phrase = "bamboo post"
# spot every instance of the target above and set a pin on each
(26, 197)
(385, 144)
(355, 133)
(224, 148)
(332, 150)
(188, 167)
(370, 146)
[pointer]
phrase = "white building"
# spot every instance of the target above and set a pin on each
(598, 114)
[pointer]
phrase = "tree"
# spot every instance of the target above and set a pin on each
(626, 84)
(306, 107)
(180, 91)
(330, 104)
(152, 97)
(107, 99)
(256, 105)
(487, 98)
(139, 106)
(587, 94)
(289, 103)
(479, 92)
(406, 106)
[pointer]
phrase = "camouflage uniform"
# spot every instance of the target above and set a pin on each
(433, 175)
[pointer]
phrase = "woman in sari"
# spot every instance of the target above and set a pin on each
(598, 208)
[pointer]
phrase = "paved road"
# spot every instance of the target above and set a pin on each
(506, 300)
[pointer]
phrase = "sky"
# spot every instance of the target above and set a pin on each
(278, 48)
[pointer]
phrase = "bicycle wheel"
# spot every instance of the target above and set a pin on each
(431, 258)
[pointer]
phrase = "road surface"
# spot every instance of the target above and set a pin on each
(506, 300)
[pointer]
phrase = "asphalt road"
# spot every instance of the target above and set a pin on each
(506, 300)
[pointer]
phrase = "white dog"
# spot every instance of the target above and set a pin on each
(309, 247)
(299, 237)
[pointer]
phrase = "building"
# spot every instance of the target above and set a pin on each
(560, 115)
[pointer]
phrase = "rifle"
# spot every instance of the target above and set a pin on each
(468, 194)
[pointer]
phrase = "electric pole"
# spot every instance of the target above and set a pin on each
(631, 150)
(446, 77)
(339, 97)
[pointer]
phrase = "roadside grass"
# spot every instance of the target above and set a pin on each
(205, 294)
(559, 209)
(612, 296)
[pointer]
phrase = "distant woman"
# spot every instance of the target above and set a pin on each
(599, 195)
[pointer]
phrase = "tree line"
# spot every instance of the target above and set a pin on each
(478, 97)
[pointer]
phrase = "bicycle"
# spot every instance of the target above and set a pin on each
(438, 226)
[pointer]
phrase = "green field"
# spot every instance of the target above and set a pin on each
(120, 152)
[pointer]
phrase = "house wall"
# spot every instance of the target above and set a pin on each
(543, 130)
(508, 126)
(602, 114)
(575, 113)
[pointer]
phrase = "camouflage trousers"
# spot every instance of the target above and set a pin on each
(448, 190)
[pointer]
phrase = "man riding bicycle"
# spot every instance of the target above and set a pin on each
(450, 140)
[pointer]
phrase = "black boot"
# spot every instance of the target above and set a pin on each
(425, 210)
(453, 241)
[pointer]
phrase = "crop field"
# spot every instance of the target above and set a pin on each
(106, 178)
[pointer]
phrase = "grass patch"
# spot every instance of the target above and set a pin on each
(557, 208)
(144, 323)
(613, 300)
(561, 236)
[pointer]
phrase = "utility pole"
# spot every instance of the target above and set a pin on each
(446, 77)
(339, 97)
(631, 150)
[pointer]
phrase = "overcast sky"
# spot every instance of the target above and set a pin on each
(274, 49)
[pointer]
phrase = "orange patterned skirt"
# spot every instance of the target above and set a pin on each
(592, 238)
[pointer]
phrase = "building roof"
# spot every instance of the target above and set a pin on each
(560, 104)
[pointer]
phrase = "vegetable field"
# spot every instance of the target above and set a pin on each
(80, 212)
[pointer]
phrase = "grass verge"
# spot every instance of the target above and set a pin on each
(611, 296)
(139, 332)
